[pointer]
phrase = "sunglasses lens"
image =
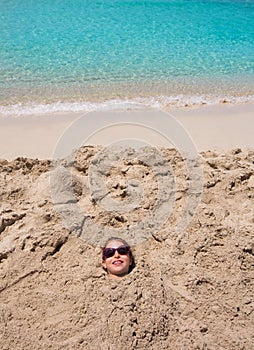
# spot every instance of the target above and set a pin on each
(123, 250)
(108, 252)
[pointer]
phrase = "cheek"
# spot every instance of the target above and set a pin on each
(105, 263)
(127, 260)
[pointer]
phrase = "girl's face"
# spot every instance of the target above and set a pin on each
(117, 265)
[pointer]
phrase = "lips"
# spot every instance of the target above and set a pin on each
(117, 262)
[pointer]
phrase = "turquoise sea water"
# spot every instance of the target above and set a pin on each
(81, 54)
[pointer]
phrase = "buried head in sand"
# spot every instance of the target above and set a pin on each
(117, 257)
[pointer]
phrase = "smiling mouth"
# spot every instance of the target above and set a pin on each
(117, 262)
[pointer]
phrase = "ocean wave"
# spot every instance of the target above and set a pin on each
(161, 102)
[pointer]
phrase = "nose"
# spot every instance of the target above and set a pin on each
(116, 255)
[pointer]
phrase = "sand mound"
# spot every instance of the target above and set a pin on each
(192, 290)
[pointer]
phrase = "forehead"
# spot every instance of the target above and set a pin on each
(114, 244)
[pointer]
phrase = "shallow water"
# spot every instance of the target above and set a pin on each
(90, 54)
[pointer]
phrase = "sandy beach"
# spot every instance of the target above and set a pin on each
(219, 127)
(192, 287)
(194, 261)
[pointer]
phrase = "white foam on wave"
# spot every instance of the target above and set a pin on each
(162, 102)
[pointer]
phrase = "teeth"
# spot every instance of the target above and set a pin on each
(117, 262)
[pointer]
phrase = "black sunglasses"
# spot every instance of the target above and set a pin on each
(109, 252)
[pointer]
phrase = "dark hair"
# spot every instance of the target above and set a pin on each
(124, 243)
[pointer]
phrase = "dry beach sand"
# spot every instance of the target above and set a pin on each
(191, 288)
(216, 127)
